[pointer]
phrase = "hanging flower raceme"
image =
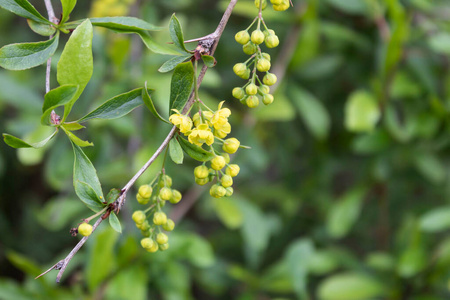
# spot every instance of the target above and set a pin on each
(183, 122)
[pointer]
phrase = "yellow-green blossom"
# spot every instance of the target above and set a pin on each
(201, 134)
(183, 122)
(220, 117)
(222, 131)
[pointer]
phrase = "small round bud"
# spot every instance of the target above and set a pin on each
(227, 181)
(231, 145)
(264, 89)
(145, 191)
(201, 181)
(252, 101)
(272, 41)
(147, 243)
(244, 100)
(240, 69)
(165, 193)
(257, 37)
(217, 191)
(144, 226)
(164, 247)
(166, 180)
(263, 4)
(251, 89)
(232, 170)
(169, 226)
(269, 79)
(268, 32)
(201, 172)
(230, 191)
(142, 200)
(266, 56)
(282, 6)
(138, 217)
(263, 65)
(249, 48)
(276, 2)
(242, 37)
(238, 93)
(246, 75)
(145, 233)
(218, 162)
(159, 218)
(176, 197)
(227, 157)
(162, 238)
(153, 248)
(267, 99)
(85, 229)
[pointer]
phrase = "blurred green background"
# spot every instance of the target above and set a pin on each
(344, 195)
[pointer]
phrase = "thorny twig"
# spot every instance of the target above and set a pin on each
(211, 40)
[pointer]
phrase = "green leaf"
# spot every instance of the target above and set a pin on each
(55, 98)
(15, 142)
(209, 60)
(76, 139)
(40, 28)
(116, 107)
(194, 151)
(350, 286)
(149, 103)
(27, 55)
(72, 126)
(113, 195)
(84, 172)
(412, 261)
(76, 63)
(24, 9)
(176, 33)
(172, 63)
(298, 256)
(124, 24)
(155, 46)
(175, 151)
(361, 112)
(229, 212)
(87, 194)
(67, 7)
(436, 220)
(313, 113)
(344, 213)
(199, 251)
(23, 263)
(181, 86)
(430, 167)
(114, 222)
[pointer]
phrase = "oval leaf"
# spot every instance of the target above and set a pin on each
(24, 9)
(76, 63)
(116, 107)
(176, 33)
(72, 126)
(55, 98)
(15, 142)
(175, 151)
(87, 194)
(361, 112)
(181, 86)
(27, 55)
(67, 7)
(84, 171)
(113, 195)
(124, 24)
(172, 63)
(40, 28)
(209, 61)
(436, 220)
(114, 222)
(194, 151)
(156, 47)
(350, 286)
(149, 103)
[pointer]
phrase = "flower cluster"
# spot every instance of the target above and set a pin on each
(211, 128)
(154, 239)
(255, 89)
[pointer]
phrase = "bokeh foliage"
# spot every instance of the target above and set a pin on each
(343, 196)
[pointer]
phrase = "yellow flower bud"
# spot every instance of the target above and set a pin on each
(217, 191)
(176, 197)
(164, 247)
(162, 238)
(267, 99)
(242, 37)
(145, 191)
(249, 48)
(147, 243)
(165, 193)
(85, 229)
(252, 101)
(138, 217)
(218, 162)
(227, 181)
(263, 65)
(251, 89)
(257, 37)
(169, 226)
(232, 170)
(231, 145)
(270, 79)
(201, 172)
(159, 218)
